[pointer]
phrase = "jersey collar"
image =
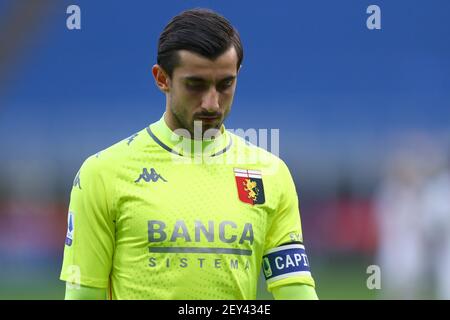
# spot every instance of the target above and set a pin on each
(172, 142)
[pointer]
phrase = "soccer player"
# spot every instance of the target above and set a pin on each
(184, 209)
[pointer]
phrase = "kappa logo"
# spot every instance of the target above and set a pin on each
(131, 138)
(250, 186)
(152, 176)
(76, 181)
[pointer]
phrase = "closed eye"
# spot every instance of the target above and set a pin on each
(196, 85)
(225, 84)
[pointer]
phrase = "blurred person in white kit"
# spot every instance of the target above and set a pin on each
(436, 228)
(401, 249)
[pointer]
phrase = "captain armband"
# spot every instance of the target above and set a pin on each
(288, 260)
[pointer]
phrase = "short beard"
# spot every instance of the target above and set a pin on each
(183, 124)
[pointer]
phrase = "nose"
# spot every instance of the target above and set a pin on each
(210, 101)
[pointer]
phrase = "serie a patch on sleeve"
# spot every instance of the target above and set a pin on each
(70, 228)
(285, 261)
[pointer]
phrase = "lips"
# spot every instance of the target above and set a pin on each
(208, 118)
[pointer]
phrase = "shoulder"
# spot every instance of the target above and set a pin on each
(260, 157)
(103, 161)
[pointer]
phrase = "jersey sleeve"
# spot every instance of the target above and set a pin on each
(284, 259)
(89, 243)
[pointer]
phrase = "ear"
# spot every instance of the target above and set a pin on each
(162, 80)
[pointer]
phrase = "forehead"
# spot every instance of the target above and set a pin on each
(191, 63)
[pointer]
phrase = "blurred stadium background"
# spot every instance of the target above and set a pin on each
(364, 119)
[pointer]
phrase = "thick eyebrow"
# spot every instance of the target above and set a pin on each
(228, 78)
(200, 79)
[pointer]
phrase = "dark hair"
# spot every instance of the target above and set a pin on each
(202, 31)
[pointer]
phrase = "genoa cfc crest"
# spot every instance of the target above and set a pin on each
(250, 186)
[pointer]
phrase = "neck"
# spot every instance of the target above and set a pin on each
(179, 139)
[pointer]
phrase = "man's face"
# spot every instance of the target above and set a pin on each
(202, 90)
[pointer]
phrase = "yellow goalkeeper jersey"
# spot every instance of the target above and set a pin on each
(160, 216)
